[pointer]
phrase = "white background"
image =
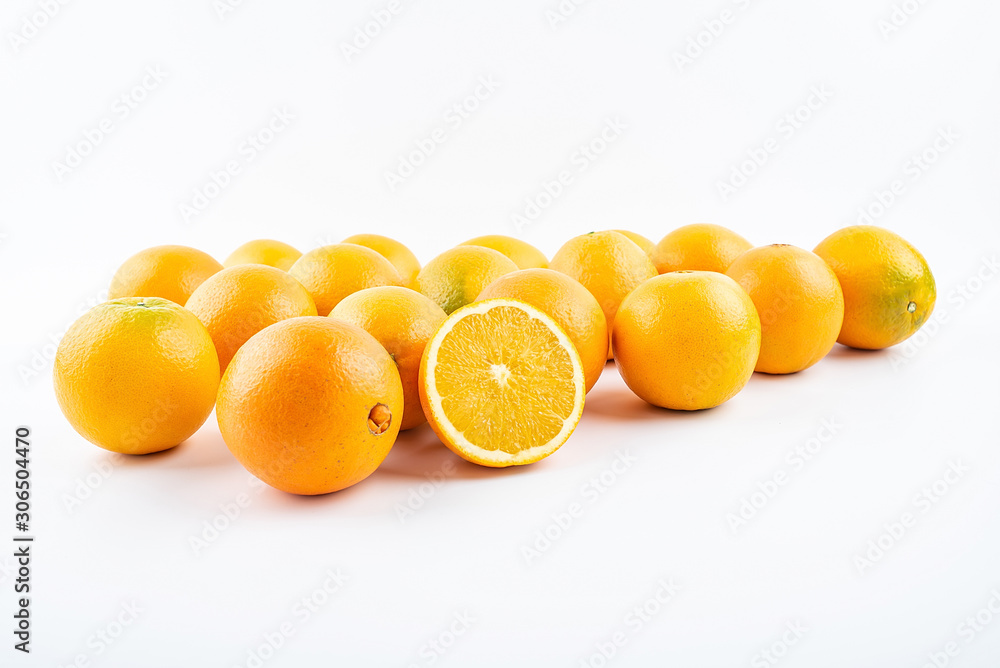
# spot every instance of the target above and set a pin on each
(903, 414)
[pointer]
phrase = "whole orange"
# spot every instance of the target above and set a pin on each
(332, 272)
(608, 264)
(699, 247)
(238, 302)
(457, 276)
(401, 257)
(568, 303)
(136, 375)
(310, 405)
(799, 301)
(687, 340)
(524, 255)
(264, 251)
(889, 290)
(403, 321)
(169, 272)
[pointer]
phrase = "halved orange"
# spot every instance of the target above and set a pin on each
(501, 383)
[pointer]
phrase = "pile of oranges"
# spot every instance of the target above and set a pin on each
(314, 362)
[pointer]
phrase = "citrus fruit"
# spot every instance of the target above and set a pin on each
(403, 321)
(457, 276)
(687, 340)
(606, 263)
(642, 242)
(524, 255)
(568, 303)
(238, 302)
(889, 291)
(264, 251)
(136, 375)
(169, 272)
(699, 247)
(310, 405)
(501, 383)
(799, 301)
(332, 272)
(400, 256)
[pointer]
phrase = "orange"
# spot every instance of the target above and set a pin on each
(264, 251)
(170, 272)
(799, 301)
(332, 272)
(400, 256)
(700, 247)
(240, 301)
(889, 291)
(457, 276)
(403, 321)
(687, 340)
(310, 405)
(136, 375)
(568, 303)
(501, 383)
(606, 263)
(642, 242)
(524, 255)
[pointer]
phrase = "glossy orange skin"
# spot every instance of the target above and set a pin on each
(889, 290)
(332, 272)
(799, 301)
(295, 402)
(698, 247)
(568, 303)
(136, 375)
(403, 321)
(457, 276)
(238, 302)
(523, 254)
(608, 264)
(401, 257)
(687, 340)
(642, 242)
(264, 251)
(168, 272)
